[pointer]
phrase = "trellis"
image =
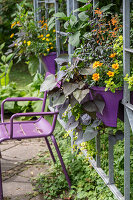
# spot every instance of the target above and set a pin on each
(128, 108)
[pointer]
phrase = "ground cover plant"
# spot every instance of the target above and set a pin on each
(86, 184)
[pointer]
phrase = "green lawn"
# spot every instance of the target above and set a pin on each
(20, 74)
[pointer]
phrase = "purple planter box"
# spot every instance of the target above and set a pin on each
(49, 62)
(109, 117)
(121, 108)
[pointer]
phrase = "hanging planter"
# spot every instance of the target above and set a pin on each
(109, 114)
(121, 108)
(49, 62)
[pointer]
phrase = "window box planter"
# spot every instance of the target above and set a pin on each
(49, 62)
(109, 116)
(121, 108)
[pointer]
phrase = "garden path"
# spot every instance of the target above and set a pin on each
(19, 165)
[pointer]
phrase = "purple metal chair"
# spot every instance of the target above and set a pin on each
(30, 129)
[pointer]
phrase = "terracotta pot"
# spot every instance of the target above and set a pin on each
(49, 62)
(109, 116)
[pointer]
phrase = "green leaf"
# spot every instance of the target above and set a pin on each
(52, 19)
(23, 103)
(84, 8)
(80, 94)
(9, 105)
(51, 26)
(83, 17)
(2, 46)
(33, 65)
(3, 58)
(61, 15)
(74, 39)
(83, 1)
(105, 8)
(9, 57)
(49, 83)
(73, 20)
(5, 80)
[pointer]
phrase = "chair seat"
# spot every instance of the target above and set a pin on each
(26, 129)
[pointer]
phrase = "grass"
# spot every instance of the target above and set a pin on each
(20, 74)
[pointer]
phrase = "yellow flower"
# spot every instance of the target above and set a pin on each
(43, 38)
(47, 39)
(24, 41)
(121, 37)
(115, 66)
(110, 74)
(48, 50)
(29, 43)
(44, 54)
(97, 64)
(12, 25)
(51, 47)
(54, 31)
(112, 55)
(15, 44)
(47, 35)
(50, 43)
(11, 36)
(96, 77)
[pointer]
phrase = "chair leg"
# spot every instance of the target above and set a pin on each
(61, 160)
(50, 150)
(1, 189)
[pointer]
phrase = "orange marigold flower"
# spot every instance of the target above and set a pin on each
(112, 55)
(12, 25)
(97, 64)
(114, 20)
(115, 66)
(98, 11)
(96, 77)
(11, 36)
(110, 74)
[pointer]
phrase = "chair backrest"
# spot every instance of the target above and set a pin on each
(44, 101)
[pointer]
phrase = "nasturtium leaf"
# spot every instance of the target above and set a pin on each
(69, 88)
(49, 83)
(80, 94)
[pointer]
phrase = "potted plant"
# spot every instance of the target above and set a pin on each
(32, 39)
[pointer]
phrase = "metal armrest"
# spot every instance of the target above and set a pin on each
(17, 99)
(33, 114)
